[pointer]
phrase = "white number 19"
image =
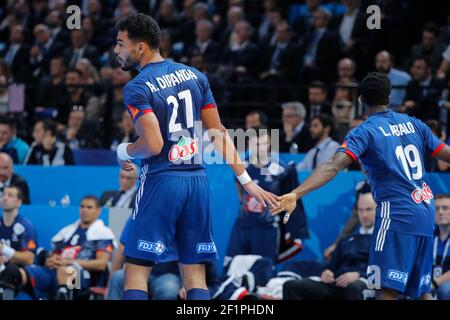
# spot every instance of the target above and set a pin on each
(409, 163)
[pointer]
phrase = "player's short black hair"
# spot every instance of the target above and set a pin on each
(424, 59)
(319, 85)
(93, 198)
(49, 125)
(326, 121)
(376, 89)
(141, 27)
(18, 190)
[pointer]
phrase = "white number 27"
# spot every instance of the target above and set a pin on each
(410, 159)
(187, 97)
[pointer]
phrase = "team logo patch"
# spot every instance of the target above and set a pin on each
(18, 228)
(206, 247)
(422, 194)
(425, 280)
(185, 149)
(153, 247)
(134, 111)
(397, 276)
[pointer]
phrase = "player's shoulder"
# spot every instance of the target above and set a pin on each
(22, 224)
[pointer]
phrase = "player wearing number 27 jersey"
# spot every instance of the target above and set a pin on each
(392, 148)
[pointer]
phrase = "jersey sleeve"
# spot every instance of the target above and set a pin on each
(355, 143)
(28, 241)
(208, 98)
(104, 246)
(432, 143)
(136, 101)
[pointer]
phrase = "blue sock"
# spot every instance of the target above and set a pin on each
(135, 295)
(198, 294)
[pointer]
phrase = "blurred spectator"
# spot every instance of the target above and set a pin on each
(205, 46)
(89, 75)
(255, 118)
(343, 108)
(430, 47)
(422, 92)
(79, 96)
(9, 143)
(445, 30)
(346, 70)
(126, 131)
(86, 246)
(296, 137)
(55, 21)
(80, 49)
(322, 49)
(235, 14)
(46, 150)
(119, 79)
(17, 55)
(51, 91)
(126, 8)
(344, 276)
(81, 133)
(18, 242)
(165, 46)
(167, 16)
(241, 56)
(445, 64)
(317, 100)
(4, 82)
(43, 50)
(281, 57)
(441, 258)
(124, 197)
(266, 26)
(444, 104)
(384, 62)
(353, 33)
(304, 24)
(322, 127)
(9, 178)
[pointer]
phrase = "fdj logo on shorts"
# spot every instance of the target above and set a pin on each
(153, 247)
(398, 276)
(185, 149)
(206, 247)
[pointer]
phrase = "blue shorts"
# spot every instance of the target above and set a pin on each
(405, 261)
(259, 240)
(171, 220)
(45, 283)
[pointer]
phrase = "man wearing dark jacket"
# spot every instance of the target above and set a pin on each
(345, 275)
(8, 178)
(296, 137)
(123, 198)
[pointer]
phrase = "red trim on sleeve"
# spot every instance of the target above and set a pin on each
(439, 148)
(145, 111)
(209, 106)
(351, 154)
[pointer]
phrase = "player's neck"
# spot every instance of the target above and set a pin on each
(151, 57)
(375, 109)
(444, 231)
(9, 216)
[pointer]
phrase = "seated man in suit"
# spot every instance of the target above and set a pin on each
(9, 178)
(295, 137)
(123, 198)
(345, 275)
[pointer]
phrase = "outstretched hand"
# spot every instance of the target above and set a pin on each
(287, 203)
(262, 196)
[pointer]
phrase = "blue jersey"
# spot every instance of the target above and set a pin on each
(176, 94)
(78, 247)
(392, 148)
(20, 236)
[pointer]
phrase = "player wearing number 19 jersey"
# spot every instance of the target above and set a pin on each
(392, 148)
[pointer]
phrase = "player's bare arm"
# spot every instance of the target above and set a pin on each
(26, 257)
(444, 154)
(224, 145)
(318, 178)
(149, 143)
(100, 263)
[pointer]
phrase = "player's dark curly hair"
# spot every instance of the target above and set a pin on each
(141, 27)
(376, 89)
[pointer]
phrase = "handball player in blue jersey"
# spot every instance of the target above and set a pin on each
(392, 148)
(171, 219)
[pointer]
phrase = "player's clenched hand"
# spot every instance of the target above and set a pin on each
(347, 278)
(327, 276)
(287, 203)
(262, 196)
